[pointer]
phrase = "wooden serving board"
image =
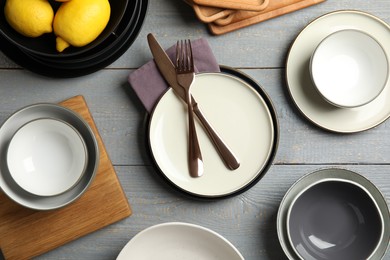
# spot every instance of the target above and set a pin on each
(209, 14)
(262, 16)
(243, 15)
(25, 233)
(249, 5)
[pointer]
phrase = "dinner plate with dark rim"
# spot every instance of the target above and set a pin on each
(240, 111)
(105, 58)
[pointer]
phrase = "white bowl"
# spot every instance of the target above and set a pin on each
(349, 68)
(47, 157)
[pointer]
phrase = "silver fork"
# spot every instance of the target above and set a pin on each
(185, 76)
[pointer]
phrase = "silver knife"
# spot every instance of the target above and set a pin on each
(167, 69)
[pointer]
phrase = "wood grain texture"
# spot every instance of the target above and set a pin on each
(247, 220)
(251, 19)
(121, 120)
(209, 14)
(249, 5)
(25, 233)
(243, 15)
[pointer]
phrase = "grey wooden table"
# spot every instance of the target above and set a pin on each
(249, 219)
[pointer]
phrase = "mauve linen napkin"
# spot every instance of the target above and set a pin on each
(149, 84)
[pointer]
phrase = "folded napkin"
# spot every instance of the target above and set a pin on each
(149, 84)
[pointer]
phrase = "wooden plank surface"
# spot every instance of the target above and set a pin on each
(247, 220)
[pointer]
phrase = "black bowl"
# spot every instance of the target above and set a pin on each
(123, 30)
(45, 45)
(91, 61)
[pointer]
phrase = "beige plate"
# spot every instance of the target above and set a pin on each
(238, 113)
(178, 241)
(302, 91)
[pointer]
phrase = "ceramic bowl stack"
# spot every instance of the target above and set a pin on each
(39, 54)
(338, 71)
(334, 214)
(49, 156)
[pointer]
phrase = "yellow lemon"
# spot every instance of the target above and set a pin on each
(31, 18)
(79, 22)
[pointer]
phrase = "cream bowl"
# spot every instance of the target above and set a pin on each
(47, 157)
(349, 68)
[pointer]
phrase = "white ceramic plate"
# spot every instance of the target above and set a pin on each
(304, 94)
(179, 241)
(237, 112)
(46, 157)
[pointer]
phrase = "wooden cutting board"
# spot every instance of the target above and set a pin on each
(208, 14)
(249, 5)
(243, 15)
(25, 233)
(262, 16)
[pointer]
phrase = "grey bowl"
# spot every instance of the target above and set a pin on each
(321, 217)
(334, 219)
(27, 114)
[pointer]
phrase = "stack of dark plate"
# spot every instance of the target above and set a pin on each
(40, 56)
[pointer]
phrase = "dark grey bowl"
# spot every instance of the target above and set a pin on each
(325, 210)
(45, 45)
(334, 219)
